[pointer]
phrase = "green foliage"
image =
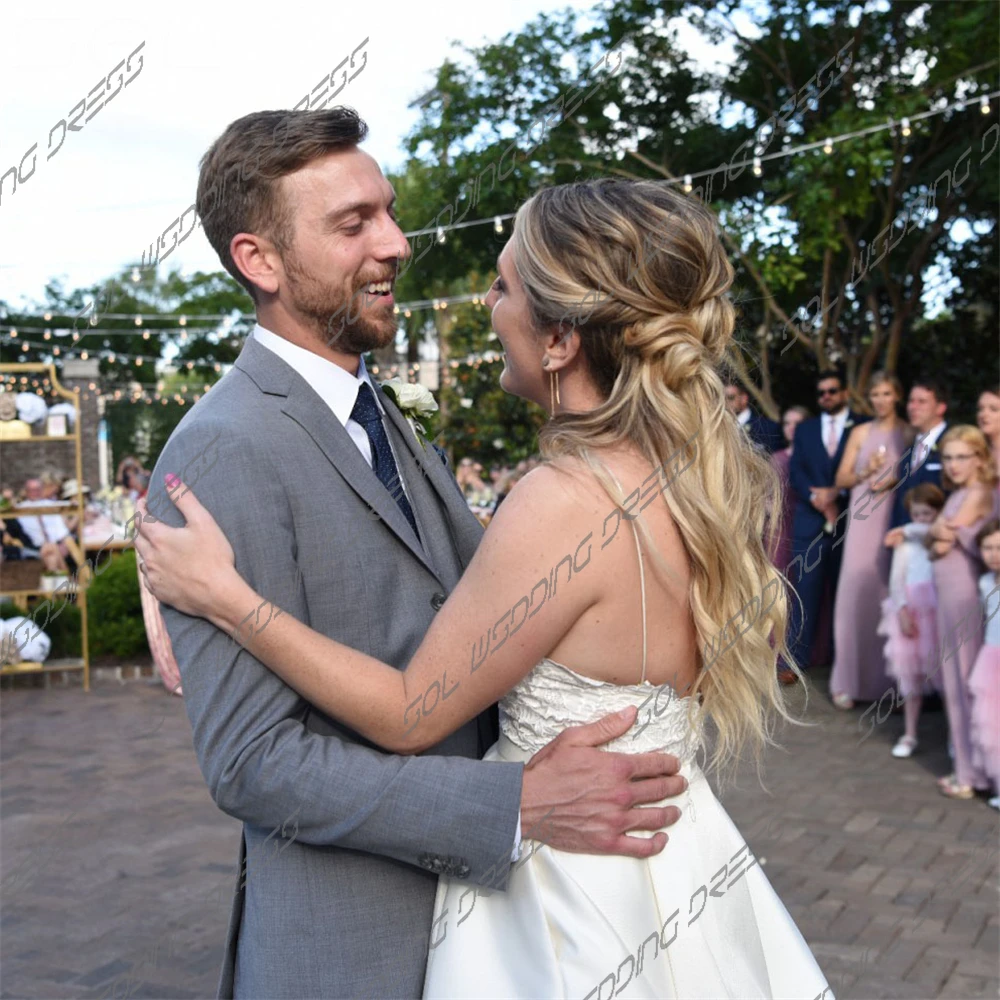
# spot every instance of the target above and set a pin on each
(114, 607)
(114, 615)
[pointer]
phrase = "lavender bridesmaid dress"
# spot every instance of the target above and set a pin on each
(956, 580)
(859, 665)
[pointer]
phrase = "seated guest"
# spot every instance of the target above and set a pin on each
(16, 545)
(44, 529)
(763, 432)
(925, 410)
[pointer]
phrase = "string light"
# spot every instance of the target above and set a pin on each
(48, 316)
(828, 146)
(182, 321)
(757, 171)
(687, 184)
(904, 126)
(984, 104)
(136, 277)
(138, 321)
(440, 234)
(497, 224)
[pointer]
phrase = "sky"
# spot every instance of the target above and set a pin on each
(118, 181)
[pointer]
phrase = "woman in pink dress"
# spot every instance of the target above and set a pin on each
(871, 454)
(984, 681)
(782, 554)
(988, 420)
(969, 470)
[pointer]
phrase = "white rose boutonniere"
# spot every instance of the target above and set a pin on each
(413, 401)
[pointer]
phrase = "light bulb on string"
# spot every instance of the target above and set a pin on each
(47, 317)
(407, 313)
(76, 336)
(984, 104)
(84, 355)
(136, 277)
(13, 332)
(55, 350)
(757, 167)
(138, 361)
(828, 147)
(497, 224)
(183, 321)
(93, 320)
(440, 234)
(687, 183)
(145, 334)
(47, 335)
(138, 321)
(904, 126)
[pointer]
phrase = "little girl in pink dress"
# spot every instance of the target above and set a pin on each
(909, 613)
(984, 680)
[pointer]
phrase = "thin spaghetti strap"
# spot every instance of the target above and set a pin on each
(642, 579)
(642, 589)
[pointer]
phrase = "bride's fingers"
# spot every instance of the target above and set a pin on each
(185, 501)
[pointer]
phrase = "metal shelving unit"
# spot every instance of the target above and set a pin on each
(78, 583)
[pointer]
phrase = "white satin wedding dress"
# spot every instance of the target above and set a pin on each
(698, 920)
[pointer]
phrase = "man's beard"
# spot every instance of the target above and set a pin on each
(339, 320)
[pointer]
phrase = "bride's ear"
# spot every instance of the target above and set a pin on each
(562, 345)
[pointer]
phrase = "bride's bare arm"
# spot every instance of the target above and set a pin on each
(518, 597)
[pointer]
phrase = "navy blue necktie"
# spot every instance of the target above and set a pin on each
(367, 413)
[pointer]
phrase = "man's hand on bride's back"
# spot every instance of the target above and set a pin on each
(588, 800)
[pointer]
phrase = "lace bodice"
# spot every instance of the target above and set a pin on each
(553, 697)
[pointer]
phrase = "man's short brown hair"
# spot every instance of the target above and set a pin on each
(237, 185)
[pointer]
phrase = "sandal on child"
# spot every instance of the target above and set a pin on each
(950, 787)
(904, 747)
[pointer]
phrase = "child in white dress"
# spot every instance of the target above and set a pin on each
(984, 680)
(909, 613)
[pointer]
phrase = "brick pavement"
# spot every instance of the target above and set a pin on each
(109, 842)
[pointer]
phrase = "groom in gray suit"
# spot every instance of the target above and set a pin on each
(338, 515)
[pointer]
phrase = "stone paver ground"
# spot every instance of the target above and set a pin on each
(117, 867)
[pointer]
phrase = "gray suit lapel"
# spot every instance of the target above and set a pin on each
(470, 531)
(274, 376)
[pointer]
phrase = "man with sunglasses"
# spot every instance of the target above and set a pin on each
(816, 533)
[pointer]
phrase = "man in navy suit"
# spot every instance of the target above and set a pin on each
(763, 432)
(817, 535)
(925, 409)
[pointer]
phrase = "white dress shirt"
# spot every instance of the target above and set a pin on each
(838, 421)
(338, 388)
(923, 444)
(42, 528)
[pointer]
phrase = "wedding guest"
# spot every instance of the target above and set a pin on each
(866, 469)
(816, 549)
(782, 554)
(988, 420)
(44, 529)
(970, 472)
(984, 681)
(761, 430)
(925, 410)
(469, 478)
(909, 613)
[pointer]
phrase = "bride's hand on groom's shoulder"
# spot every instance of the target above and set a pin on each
(588, 800)
(192, 567)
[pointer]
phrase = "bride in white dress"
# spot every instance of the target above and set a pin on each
(611, 305)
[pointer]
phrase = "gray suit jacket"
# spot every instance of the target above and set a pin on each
(342, 843)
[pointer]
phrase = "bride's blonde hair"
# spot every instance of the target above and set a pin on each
(640, 271)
